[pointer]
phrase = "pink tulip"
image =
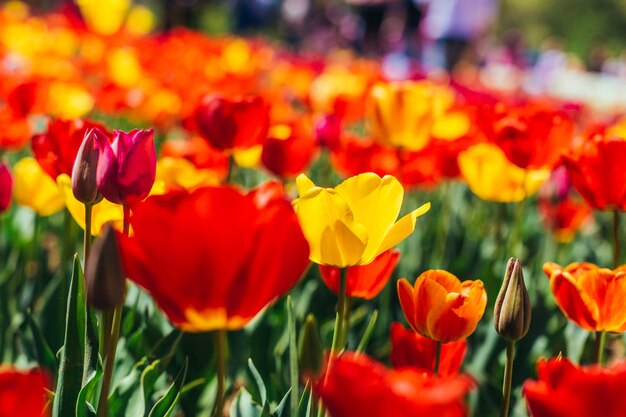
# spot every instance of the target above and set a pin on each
(6, 187)
(127, 166)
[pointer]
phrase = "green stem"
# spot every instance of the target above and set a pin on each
(221, 367)
(616, 239)
(599, 347)
(437, 359)
(231, 168)
(103, 403)
(343, 308)
(508, 379)
(87, 234)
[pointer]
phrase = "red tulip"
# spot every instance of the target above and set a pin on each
(238, 123)
(6, 187)
(14, 130)
(365, 281)
(215, 258)
(289, 149)
(328, 131)
(56, 149)
(357, 386)
(567, 390)
(22, 393)
(597, 172)
(197, 151)
(409, 349)
(127, 166)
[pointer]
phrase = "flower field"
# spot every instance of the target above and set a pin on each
(195, 225)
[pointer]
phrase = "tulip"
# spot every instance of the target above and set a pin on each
(491, 176)
(564, 218)
(365, 281)
(357, 386)
(56, 149)
(512, 310)
(354, 222)
(567, 390)
(328, 131)
(127, 166)
(178, 173)
(595, 169)
(589, 295)
(410, 349)
(104, 276)
(23, 393)
(104, 17)
(440, 307)
(238, 123)
(403, 114)
(6, 187)
(197, 151)
(34, 189)
(288, 150)
(310, 348)
(226, 244)
(84, 184)
(14, 130)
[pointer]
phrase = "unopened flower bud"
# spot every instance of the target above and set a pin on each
(84, 184)
(104, 274)
(512, 310)
(310, 350)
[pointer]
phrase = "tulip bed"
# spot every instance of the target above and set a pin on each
(200, 226)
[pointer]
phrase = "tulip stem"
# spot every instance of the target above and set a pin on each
(616, 239)
(221, 369)
(87, 235)
(599, 347)
(343, 310)
(103, 403)
(437, 359)
(231, 168)
(508, 379)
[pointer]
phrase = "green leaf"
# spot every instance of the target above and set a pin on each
(293, 358)
(86, 396)
(166, 405)
(368, 332)
(278, 411)
(258, 380)
(70, 376)
(45, 356)
(244, 405)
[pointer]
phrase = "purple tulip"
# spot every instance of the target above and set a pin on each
(6, 187)
(127, 166)
(84, 185)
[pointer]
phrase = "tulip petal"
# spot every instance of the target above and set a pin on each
(405, 294)
(608, 290)
(304, 184)
(402, 228)
(573, 301)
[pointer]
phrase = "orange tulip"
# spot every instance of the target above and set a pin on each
(441, 307)
(365, 281)
(590, 296)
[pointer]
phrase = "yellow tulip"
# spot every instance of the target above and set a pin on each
(104, 17)
(354, 222)
(404, 114)
(172, 173)
(33, 188)
(248, 158)
(491, 176)
(102, 213)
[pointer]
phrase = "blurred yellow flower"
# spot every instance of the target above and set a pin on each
(68, 101)
(33, 188)
(102, 213)
(140, 20)
(123, 67)
(104, 17)
(405, 114)
(173, 173)
(354, 222)
(248, 158)
(491, 176)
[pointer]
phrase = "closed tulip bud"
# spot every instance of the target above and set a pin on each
(310, 350)
(512, 310)
(6, 187)
(84, 185)
(104, 274)
(127, 166)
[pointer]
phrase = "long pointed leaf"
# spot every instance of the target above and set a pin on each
(166, 405)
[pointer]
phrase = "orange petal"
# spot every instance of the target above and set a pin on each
(405, 294)
(573, 301)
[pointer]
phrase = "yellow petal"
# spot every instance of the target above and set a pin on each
(328, 224)
(104, 17)
(304, 184)
(375, 203)
(33, 188)
(248, 158)
(180, 173)
(402, 228)
(102, 213)
(451, 126)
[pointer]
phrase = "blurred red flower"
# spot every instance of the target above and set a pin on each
(237, 123)
(289, 149)
(409, 349)
(197, 151)
(14, 130)
(214, 258)
(22, 393)
(6, 187)
(357, 386)
(596, 169)
(566, 390)
(56, 149)
(365, 281)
